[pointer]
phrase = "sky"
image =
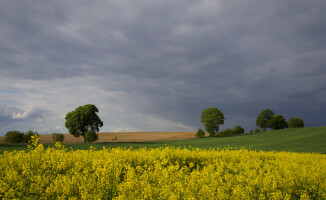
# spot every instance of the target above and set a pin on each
(151, 65)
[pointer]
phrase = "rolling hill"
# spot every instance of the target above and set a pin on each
(311, 139)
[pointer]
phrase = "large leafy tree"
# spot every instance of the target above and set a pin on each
(83, 119)
(263, 118)
(277, 122)
(295, 123)
(212, 118)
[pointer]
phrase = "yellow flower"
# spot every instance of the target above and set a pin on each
(162, 173)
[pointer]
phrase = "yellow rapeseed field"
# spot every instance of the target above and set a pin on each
(163, 173)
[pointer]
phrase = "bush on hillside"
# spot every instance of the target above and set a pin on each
(257, 130)
(237, 130)
(14, 137)
(91, 136)
(200, 133)
(58, 137)
(251, 131)
(226, 132)
(29, 134)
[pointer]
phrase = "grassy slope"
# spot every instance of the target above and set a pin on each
(298, 140)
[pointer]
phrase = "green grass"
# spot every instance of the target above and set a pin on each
(311, 139)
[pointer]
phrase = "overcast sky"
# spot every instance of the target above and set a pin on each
(153, 65)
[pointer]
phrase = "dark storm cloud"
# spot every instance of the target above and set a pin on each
(175, 58)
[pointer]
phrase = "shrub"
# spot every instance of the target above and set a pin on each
(14, 137)
(58, 137)
(257, 130)
(200, 133)
(251, 131)
(91, 136)
(237, 130)
(225, 132)
(29, 134)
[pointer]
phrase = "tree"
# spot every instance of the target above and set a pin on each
(277, 122)
(295, 123)
(212, 118)
(263, 118)
(83, 119)
(14, 137)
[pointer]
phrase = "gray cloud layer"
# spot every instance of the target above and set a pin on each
(155, 65)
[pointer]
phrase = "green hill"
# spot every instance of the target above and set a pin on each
(312, 139)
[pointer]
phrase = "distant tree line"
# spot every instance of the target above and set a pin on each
(25, 137)
(267, 119)
(19, 136)
(227, 132)
(212, 118)
(83, 121)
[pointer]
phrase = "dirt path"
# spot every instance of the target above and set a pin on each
(123, 137)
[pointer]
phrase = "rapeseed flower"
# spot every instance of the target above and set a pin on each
(162, 173)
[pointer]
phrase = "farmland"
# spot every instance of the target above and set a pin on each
(161, 173)
(172, 169)
(312, 139)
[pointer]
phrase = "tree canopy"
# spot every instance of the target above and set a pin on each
(295, 123)
(83, 119)
(212, 118)
(264, 117)
(277, 122)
